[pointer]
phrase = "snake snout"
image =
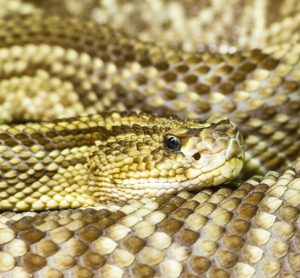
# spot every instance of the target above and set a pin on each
(224, 136)
(235, 148)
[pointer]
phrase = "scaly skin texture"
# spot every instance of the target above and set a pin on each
(54, 67)
(84, 161)
(252, 231)
(70, 67)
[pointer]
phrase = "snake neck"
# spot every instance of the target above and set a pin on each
(47, 159)
(45, 165)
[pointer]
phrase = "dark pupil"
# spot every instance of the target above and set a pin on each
(173, 143)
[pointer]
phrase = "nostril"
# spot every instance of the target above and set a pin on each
(196, 156)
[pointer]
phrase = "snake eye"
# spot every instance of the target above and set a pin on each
(172, 143)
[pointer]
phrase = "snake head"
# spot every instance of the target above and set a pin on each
(165, 155)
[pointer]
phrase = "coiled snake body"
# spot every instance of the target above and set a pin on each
(117, 162)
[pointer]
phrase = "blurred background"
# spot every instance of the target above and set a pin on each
(222, 25)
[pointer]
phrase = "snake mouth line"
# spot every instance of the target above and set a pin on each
(205, 179)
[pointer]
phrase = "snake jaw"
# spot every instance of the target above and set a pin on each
(155, 187)
(229, 170)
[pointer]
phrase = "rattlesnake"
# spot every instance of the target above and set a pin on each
(60, 67)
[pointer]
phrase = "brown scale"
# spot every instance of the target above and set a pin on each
(133, 244)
